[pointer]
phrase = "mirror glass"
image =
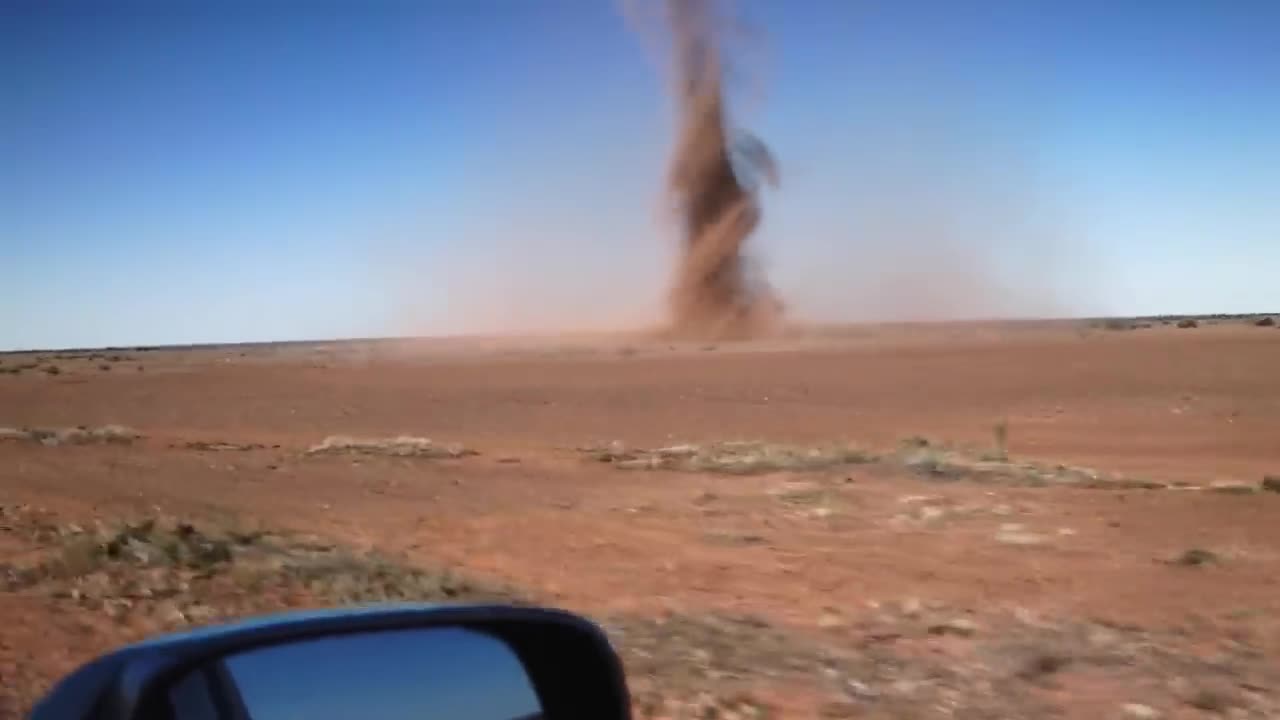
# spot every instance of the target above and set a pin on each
(446, 673)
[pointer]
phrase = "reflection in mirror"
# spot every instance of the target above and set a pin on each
(447, 673)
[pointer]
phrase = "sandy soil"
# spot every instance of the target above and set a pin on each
(837, 559)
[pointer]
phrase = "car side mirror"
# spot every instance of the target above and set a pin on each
(385, 663)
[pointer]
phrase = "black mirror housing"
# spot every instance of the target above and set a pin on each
(568, 660)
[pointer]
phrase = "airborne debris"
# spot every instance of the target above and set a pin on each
(714, 177)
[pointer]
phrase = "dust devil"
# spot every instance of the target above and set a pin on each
(714, 180)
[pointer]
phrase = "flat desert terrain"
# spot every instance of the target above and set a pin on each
(939, 521)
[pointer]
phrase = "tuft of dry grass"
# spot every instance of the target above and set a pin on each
(218, 446)
(916, 454)
(399, 446)
(1197, 557)
(927, 459)
(50, 437)
(1000, 451)
(1216, 697)
(1043, 663)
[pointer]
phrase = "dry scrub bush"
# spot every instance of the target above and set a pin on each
(400, 446)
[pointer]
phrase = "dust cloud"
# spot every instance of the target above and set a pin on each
(929, 214)
(714, 181)
(903, 203)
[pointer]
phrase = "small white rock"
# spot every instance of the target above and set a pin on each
(908, 499)
(930, 513)
(1102, 637)
(1138, 711)
(830, 620)
(1025, 616)
(963, 627)
(861, 690)
(904, 688)
(1016, 534)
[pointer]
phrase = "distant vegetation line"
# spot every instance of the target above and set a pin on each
(255, 344)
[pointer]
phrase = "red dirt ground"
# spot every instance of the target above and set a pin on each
(1175, 405)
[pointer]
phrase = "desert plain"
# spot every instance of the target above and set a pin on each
(1063, 519)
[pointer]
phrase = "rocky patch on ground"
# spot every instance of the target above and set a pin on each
(399, 446)
(737, 457)
(919, 456)
(919, 660)
(904, 659)
(82, 435)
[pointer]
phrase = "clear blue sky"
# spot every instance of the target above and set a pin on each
(186, 171)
